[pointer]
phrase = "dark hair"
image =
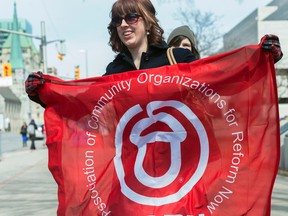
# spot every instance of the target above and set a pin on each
(176, 41)
(147, 11)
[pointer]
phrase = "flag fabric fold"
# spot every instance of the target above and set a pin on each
(198, 138)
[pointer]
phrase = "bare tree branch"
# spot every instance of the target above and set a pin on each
(203, 25)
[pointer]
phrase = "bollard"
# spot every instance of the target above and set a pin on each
(282, 156)
(285, 152)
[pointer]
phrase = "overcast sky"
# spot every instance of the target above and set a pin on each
(83, 26)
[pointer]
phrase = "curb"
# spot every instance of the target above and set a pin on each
(283, 172)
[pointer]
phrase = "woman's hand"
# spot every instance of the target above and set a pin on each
(271, 43)
(32, 82)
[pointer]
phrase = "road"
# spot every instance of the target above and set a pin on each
(280, 196)
(11, 142)
(27, 188)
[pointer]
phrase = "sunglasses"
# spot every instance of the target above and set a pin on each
(129, 18)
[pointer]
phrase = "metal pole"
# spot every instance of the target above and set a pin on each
(43, 47)
(0, 145)
(20, 33)
(43, 40)
(86, 63)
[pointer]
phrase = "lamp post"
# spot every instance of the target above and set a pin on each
(43, 51)
(86, 60)
(43, 44)
(43, 47)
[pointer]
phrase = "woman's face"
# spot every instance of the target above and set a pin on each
(133, 36)
(185, 43)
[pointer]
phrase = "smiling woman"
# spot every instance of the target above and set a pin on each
(138, 38)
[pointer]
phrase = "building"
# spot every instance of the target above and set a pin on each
(20, 53)
(11, 106)
(270, 19)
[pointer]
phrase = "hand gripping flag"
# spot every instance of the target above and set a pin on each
(198, 138)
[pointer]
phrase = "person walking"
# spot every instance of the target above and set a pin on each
(23, 132)
(32, 127)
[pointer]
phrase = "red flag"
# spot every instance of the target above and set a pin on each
(189, 139)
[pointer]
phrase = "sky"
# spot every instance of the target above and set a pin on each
(83, 26)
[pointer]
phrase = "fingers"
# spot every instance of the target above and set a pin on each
(276, 52)
(269, 40)
(271, 43)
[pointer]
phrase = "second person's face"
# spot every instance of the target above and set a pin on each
(185, 43)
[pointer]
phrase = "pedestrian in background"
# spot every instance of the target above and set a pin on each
(32, 127)
(23, 132)
(184, 37)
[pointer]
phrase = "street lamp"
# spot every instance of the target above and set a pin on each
(86, 60)
(43, 44)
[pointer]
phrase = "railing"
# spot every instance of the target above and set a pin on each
(284, 128)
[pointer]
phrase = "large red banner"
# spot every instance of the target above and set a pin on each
(189, 139)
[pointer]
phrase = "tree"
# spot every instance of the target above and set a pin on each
(203, 25)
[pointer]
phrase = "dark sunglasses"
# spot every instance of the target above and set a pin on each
(129, 18)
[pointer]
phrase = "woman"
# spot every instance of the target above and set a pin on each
(138, 38)
(23, 132)
(184, 37)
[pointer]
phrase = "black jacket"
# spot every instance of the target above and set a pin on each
(155, 57)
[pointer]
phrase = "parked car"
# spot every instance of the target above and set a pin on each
(39, 132)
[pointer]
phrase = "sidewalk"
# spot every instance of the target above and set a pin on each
(27, 187)
(280, 196)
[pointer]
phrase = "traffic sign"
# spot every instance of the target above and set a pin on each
(6, 70)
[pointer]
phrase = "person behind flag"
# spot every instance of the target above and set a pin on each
(184, 37)
(137, 37)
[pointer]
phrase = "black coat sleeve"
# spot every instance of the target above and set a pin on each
(183, 55)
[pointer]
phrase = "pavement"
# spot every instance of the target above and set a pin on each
(27, 187)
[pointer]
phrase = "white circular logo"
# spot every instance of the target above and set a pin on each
(174, 138)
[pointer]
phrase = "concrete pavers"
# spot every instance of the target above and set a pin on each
(26, 185)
